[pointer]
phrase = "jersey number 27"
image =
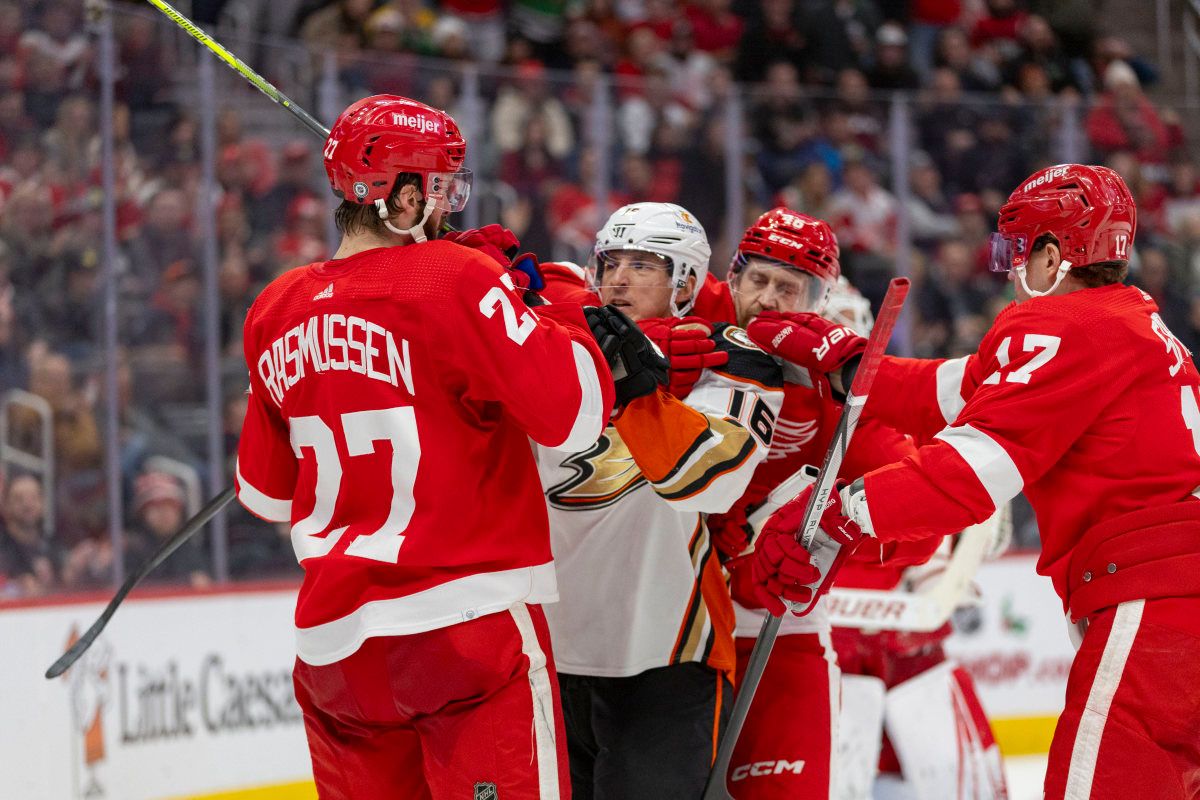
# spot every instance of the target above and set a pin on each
(362, 429)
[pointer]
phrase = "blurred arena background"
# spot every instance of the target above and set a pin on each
(124, 282)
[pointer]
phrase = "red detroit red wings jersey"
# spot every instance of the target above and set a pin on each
(1084, 401)
(393, 395)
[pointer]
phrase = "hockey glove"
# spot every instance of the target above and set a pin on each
(730, 532)
(638, 369)
(688, 346)
(502, 246)
(809, 340)
(784, 571)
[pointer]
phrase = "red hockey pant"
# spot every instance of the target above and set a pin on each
(471, 710)
(790, 734)
(1131, 727)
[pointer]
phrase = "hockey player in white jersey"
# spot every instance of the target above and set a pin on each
(643, 631)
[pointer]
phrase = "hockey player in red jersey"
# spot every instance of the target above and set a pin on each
(787, 263)
(1081, 397)
(643, 631)
(383, 382)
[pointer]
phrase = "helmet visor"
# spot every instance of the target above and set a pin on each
(638, 266)
(1007, 250)
(759, 283)
(450, 191)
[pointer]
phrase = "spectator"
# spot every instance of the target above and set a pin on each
(952, 298)
(27, 566)
(975, 72)
(839, 33)
(165, 238)
(526, 97)
(484, 23)
(930, 18)
(862, 212)
(158, 513)
(891, 70)
(777, 36)
(1125, 119)
(1040, 46)
(930, 214)
(1153, 276)
(716, 29)
(1000, 27)
(59, 37)
(338, 26)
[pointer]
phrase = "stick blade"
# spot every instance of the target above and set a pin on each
(67, 659)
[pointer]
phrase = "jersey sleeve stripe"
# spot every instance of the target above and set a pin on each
(261, 504)
(950, 376)
(992, 465)
(589, 421)
(737, 446)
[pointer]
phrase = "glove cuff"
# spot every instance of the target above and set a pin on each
(854, 506)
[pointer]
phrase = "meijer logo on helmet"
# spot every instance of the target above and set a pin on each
(416, 122)
(1045, 177)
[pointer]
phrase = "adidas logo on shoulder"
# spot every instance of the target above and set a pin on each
(325, 293)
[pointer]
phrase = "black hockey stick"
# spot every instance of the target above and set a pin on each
(856, 399)
(168, 547)
(236, 64)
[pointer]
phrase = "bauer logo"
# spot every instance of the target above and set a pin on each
(485, 791)
(416, 122)
(763, 769)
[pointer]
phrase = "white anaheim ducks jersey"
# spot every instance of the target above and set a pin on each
(639, 584)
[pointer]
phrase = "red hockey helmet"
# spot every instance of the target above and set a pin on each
(793, 239)
(377, 138)
(1088, 209)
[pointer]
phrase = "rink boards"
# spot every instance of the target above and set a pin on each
(190, 695)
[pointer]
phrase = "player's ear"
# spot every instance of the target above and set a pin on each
(689, 289)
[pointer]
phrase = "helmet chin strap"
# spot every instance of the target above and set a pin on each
(1063, 268)
(417, 232)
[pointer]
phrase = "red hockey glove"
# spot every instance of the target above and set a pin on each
(806, 339)
(784, 570)
(730, 532)
(502, 246)
(687, 345)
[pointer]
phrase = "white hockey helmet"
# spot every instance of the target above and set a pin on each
(847, 306)
(663, 229)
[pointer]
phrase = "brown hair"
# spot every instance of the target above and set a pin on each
(1092, 276)
(352, 218)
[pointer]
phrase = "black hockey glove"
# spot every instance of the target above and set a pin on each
(637, 368)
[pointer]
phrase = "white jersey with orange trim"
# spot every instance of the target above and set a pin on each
(640, 586)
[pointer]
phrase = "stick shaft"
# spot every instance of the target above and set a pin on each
(236, 64)
(168, 547)
(893, 302)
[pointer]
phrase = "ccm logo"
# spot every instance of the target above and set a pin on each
(761, 769)
(834, 336)
(416, 122)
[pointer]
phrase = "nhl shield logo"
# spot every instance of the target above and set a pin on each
(360, 190)
(485, 791)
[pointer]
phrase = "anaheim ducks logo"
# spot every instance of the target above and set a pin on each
(604, 473)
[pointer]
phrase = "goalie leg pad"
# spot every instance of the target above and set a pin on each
(860, 734)
(942, 738)
(787, 746)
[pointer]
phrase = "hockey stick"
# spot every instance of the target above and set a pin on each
(168, 547)
(925, 609)
(856, 398)
(240, 67)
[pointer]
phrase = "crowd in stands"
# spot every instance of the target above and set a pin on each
(993, 90)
